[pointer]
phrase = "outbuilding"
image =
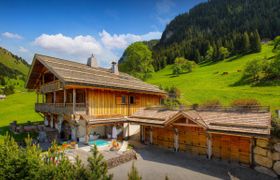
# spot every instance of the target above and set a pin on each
(228, 134)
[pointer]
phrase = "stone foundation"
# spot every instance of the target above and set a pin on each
(266, 156)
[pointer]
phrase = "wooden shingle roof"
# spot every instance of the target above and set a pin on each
(254, 123)
(73, 73)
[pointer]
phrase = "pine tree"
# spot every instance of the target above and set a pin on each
(197, 56)
(246, 43)
(256, 46)
(98, 165)
(133, 174)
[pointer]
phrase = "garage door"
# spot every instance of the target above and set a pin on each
(232, 148)
(193, 140)
(163, 137)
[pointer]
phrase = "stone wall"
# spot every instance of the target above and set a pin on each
(266, 156)
(125, 157)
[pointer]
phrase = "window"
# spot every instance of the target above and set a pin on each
(123, 99)
(131, 99)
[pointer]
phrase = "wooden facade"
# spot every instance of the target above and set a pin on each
(108, 102)
(194, 139)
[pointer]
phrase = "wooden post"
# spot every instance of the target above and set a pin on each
(54, 97)
(209, 146)
(74, 100)
(64, 97)
(87, 132)
(86, 101)
(151, 135)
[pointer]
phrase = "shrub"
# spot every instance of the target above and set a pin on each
(9, 90)
(215, 103)
(253, 70)
(245, 103)
(133, 174)
(182, 65)
(31, 163)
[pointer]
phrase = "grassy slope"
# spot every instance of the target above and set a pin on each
(12, 63)
(19, 106)
(205, 83)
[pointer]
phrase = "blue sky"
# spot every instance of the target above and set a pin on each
(75, 29)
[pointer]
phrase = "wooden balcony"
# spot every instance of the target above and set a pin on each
(61, 108)
(51, 86)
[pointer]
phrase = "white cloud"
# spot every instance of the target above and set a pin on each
(78, 45)
(22, 49)
(11, 35)
(106, 48)
(121, 41)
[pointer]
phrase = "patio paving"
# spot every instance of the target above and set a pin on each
(155, 163)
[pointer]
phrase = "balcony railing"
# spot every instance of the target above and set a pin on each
(61, 108)
(51, 86)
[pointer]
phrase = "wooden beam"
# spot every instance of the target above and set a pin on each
(74, 100)
(64, 97)
(209, 146)
(54, 97)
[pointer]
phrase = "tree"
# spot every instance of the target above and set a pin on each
(182, 65)
(133, 174)
(209, 53)
(224, 53)
(137, 61)
(98, 165)
(197, 56)
(256, 42)
(276, 43)
(272, 70)
(245, 42)
(253, 70)
(30, 163)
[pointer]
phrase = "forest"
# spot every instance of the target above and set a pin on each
(215, 30)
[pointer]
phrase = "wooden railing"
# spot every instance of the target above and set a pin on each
(61, 108)
(51, 86)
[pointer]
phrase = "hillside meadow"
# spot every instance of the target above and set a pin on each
(207, 82)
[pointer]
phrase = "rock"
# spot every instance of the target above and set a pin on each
(277, 147)
(276, 156)
(265, 170)
(260, 151)
(262, 143)
(263, 161)
(276, 167)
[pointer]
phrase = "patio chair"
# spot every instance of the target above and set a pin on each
(123, 147)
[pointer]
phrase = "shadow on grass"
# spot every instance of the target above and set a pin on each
(260, 83)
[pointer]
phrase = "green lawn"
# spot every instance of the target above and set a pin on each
(19, 107)
(206, 82)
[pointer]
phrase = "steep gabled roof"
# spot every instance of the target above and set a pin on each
(73, 73)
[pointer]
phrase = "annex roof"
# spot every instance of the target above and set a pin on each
(73, 73)
(258, 123)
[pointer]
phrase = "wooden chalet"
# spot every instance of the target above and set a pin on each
(81, 99)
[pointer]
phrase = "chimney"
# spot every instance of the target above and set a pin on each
(92, 62)
(115, 69)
